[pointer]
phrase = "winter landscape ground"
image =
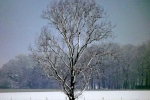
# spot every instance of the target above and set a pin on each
(87, 95)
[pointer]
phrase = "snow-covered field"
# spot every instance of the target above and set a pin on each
(87, 95)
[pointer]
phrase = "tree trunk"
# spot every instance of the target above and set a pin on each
(72, 84)
(71, 97)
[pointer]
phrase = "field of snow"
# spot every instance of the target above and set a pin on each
(87, 95)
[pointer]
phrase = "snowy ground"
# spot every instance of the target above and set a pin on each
(87, 95)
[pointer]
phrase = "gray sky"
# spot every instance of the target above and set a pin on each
(20, 22)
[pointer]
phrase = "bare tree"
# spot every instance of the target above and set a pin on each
(65, 47)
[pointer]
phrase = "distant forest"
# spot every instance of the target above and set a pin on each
(128, 68)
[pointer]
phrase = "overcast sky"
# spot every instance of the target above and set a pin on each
(20, 22)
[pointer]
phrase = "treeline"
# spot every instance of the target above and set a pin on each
(24, 73)
(127, 68)
(130, 69)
